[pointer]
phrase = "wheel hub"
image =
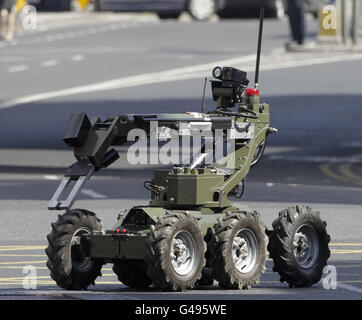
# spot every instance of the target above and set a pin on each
(79, 261)
(244, 251)
(241, 249)
(182, 252)
(306, 246)
(301, 244)
(179, 251)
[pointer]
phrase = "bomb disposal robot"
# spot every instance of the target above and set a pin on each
(190, 226)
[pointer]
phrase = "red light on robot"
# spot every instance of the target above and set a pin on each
(252, 92)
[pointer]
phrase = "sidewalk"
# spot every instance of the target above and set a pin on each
(315, 47)
(55, 20)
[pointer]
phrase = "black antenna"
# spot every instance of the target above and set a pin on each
(256, 83)
(203, 98)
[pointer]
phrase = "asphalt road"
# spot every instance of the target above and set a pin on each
(113, 64)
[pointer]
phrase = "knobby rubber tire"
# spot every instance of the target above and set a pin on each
(158, 259)
(132, 273)
(223, 266)
(58, 251)
(281, 248)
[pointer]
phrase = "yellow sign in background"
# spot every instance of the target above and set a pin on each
(20, 4)
(330, 21)
(83, 3)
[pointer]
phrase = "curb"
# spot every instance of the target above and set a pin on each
(322, 48)
(56, 17)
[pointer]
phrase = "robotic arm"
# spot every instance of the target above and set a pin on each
(92, 141)
(248, 127)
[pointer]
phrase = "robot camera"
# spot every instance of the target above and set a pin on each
(229, 86)
(230, 74)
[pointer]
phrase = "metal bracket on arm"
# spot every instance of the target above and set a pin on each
(78, 173)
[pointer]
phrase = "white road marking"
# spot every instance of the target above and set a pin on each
(154, 77)
(91, 193)
(50, 63)
(18, 68)
(184, 73)
(349, 287)
(353, 144)
(52, 177)
(16, 179)
(117, 23)
(77, 58)
(316, 159)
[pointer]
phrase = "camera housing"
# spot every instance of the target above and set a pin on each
(228, 89)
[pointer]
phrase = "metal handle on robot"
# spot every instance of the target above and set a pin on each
(78, 173)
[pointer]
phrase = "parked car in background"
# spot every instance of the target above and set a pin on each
(247, 8)
(62, 5)
(167, 9)
(274, 8)
(198, 9)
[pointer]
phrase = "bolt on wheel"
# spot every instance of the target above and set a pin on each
(306, 246)
(245, 251)
(183, 253)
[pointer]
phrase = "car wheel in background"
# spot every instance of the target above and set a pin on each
(276, 9)
(202, 9)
